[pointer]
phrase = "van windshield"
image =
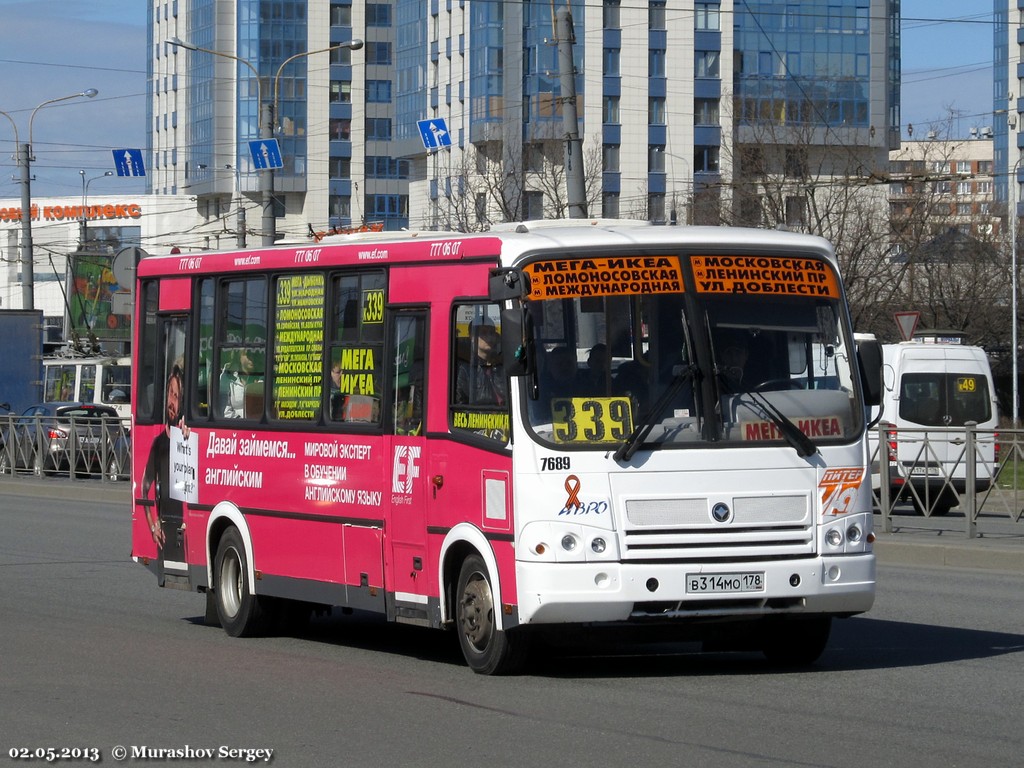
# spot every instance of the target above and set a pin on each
(945, 399)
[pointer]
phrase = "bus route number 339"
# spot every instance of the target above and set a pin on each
(704, 583)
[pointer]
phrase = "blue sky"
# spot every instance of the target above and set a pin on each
(50, 49)
(947, 63)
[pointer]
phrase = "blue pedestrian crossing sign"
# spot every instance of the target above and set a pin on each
(434, 133)
(266, 153)
(129, 162)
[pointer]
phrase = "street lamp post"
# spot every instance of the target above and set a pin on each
(24, 160)
(239, 208)
(83, 226)
(268, 112)
(1013, 290)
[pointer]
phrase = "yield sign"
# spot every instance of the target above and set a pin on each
(907, 323)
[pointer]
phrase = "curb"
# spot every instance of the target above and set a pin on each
(990, 554)
(66, 489)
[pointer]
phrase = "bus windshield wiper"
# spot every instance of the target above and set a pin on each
(791, 433)
(636, 438)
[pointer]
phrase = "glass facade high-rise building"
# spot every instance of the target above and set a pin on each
(806, 62)
(669, 96)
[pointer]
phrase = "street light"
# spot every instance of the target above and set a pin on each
(85, 202)
(24, 160)
(268, 111)
(1012, 123)
(239, 208)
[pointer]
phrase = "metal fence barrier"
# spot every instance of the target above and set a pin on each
(979, 473)
(79, 447)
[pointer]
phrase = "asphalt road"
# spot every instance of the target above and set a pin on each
(94, 656)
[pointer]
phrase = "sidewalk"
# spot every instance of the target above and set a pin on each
(911, 543)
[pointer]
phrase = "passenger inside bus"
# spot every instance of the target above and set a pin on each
(594, 379)
(481, 381)
(234, 379)
(558, 378)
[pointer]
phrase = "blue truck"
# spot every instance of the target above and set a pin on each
(21, 371)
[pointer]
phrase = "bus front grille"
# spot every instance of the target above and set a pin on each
(778, 526)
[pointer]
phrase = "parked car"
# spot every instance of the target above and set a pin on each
(47, 437)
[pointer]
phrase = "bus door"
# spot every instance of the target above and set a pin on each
(165, 486)
(409, 492)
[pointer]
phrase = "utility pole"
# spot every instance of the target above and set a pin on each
(575, 185)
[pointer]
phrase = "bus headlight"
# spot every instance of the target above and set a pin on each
(834, 537)
(569, 542)
(854, 534)
(598, 545)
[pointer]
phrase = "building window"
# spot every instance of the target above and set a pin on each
(341, 92)
(656, 62)
(796, 211)
(341, 129)
(378, 91)
(340, 167)
(963, 166)
(378, 53)
(656, 208)
(656, 110)
(656, 15)
(963, 209)
(611, 61)
(611, 14)
(705, 112)
(341, 57)
(610, 205)
(533, 206)
(341, 15)
(611, 109)
(705, 159)
(963, 188)
(706, 16)
(656, 159)
(340, 206)
(378, 15)
(378, 128)
(611, 157)
(706, 63)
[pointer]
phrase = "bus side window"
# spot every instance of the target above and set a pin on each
(409, 378)
(478, 394)
(354, 387)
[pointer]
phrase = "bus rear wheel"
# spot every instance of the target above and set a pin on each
(238, 610)
(487, 649)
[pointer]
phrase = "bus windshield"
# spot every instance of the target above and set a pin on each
(691, 369)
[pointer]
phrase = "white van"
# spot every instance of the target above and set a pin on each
(104, 380)
(931, 387)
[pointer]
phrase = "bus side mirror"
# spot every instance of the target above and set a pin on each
(869, 358)
(517, 342)
(507, 283)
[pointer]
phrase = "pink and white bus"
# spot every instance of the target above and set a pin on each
(598, 423)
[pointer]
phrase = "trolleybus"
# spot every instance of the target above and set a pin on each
(597, 423)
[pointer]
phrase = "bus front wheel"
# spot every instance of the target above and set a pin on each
(796, 642)
(488, 650)
(238, 610)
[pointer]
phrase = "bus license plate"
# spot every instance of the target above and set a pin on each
(711, 583)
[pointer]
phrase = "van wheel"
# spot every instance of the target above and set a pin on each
(488, 650)
(238, 609)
